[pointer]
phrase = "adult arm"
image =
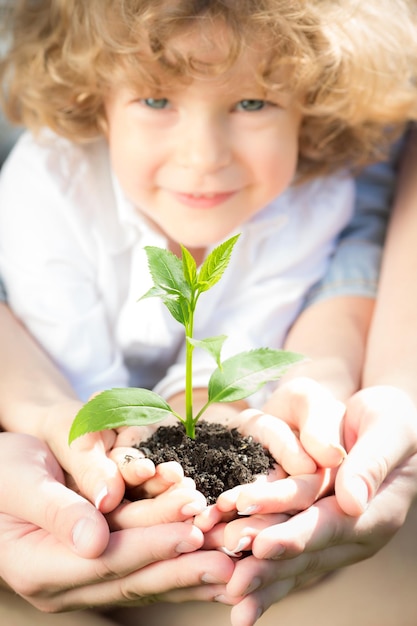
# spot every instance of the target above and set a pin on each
(35, 396)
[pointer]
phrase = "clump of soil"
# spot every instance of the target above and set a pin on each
(217, 459)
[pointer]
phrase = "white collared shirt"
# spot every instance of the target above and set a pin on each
(73, 262)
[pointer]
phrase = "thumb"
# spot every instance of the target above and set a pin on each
(43, 499)
(381, 431)
(309, 408)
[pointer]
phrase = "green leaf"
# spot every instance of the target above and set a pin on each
(189, 268)
(154, 292)
(119, 407)
(167, 271)
(212, 345)
(243, 374)
(179, 308)
(215, 264)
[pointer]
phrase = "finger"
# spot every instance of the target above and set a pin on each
(40, 566)
(161, 578)
(253, 576)
(381, 427)
(247, 612)
(211, 517)
(285, 577)
(132, 436)
(166, 475)
(228, 499)
(156, 582)
(310, 409)
(239, 534)
(290, 494)
(96, 475)
(134, 468)
(176, 504)
(250, 608)
(60, 511)
(306, 531)
(86, 461)
(277, 437)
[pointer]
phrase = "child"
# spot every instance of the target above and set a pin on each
(181, 123)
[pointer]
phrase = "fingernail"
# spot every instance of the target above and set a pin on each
(220, 598)
(255, 584)
(101, 496)
(209, 579)
(249, 510)
(194, 508)
(184, 546)
(259, 613)
(340, 453)
(83, 532)
(276, 552)
(229, 552)
(243, 543)
(359, 490)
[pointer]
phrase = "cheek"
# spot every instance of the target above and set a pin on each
(279, 165)
(130, 163)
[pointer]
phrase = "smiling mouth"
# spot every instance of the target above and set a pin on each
(203, 200)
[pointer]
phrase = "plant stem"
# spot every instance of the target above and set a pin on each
(189, 349)
(201, 411)
(189, 421)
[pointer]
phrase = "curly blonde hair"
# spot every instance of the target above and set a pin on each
(351, 63)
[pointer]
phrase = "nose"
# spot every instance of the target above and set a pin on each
(203, 145)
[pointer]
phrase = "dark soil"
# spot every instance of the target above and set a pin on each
(217, 459)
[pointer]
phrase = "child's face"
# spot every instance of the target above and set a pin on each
(200, 158)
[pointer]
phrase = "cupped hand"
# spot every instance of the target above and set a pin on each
(96, 463)
(380, 433)
(312, 412)
(299, 551)
(307, 453)
(377, 482)
(47, 530)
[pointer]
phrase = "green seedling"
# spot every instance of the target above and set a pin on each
(179, 284)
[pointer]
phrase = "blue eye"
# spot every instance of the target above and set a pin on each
(251, 105)
(156, 103)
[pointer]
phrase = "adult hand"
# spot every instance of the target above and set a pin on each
(46, 531)
(377, 481)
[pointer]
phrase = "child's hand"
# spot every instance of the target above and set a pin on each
(142, 478)
(102, 466)
(154, 494)
(303, 406)
(269, 502)
(178, 503)
(303, 433)
(312, 412)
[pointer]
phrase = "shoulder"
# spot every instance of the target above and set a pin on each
(52, 194)
(325, 193)
(54, 161)
(297, 226)
(50, 179)
(329, 197)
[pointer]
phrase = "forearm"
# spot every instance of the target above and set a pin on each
(392, 347)
(332, 333)
(30, 385)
